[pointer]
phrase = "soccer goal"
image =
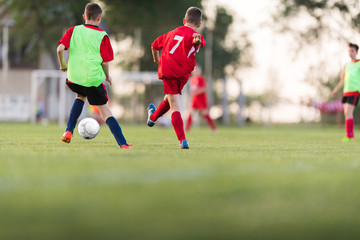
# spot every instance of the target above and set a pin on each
(48, 96)
(130, 94)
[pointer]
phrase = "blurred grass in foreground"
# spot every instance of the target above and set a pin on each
(285, 182)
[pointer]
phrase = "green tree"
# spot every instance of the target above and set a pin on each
(39, 24)
(152, 17)
(322, 21)
(316, 23)
(228, 52)
(324, 17)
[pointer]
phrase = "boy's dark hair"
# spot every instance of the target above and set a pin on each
(353, 45)
(193, 15)
(92, 11)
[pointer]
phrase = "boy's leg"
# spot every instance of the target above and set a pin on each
(163, 107)
(188, 121)
(209, 120)
(176, 118)
(113, 125)
(349, 119)
(74, 115)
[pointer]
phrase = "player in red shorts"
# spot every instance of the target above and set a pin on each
(199, 99)
(179, 48)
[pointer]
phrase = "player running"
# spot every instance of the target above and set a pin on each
(351, 81)
(179, 48)
(89, 53)
(199, 99)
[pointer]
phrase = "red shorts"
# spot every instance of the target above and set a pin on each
(199, 105)
(199, 102)
(174, 86)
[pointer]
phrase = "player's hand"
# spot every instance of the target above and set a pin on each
(108, 79)
(333, 93)
(63, 68)
(197, 39)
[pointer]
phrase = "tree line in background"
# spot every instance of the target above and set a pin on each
(39, 24)
(322, 20)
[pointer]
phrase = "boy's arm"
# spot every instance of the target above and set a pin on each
(60, 53)
(339, 85)
(105, 66)
(155, 54)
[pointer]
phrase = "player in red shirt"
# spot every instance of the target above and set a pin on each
(179, 48)
(199, 99)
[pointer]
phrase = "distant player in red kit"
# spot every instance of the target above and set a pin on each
(198, 99)
(330, 107)
(177, 61)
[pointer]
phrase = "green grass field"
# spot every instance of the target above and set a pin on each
(284, 182)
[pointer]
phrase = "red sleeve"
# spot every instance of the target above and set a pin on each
(203, 42)
(106, 50)
(65, 40)
(158, 44)
(201, 82)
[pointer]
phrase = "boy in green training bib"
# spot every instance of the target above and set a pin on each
(90, 52)
(351, 81)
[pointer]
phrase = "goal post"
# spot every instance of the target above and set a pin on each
(131, 92)
(56, 94)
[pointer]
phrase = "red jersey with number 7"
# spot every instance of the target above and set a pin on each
(178, 53)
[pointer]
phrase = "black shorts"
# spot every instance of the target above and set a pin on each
(354, 100)
(95, 95)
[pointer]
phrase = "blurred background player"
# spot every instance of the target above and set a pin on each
(89, 53)
(179, 48)
(94, 112)
(198, 99)
(351, 81)
(330, 107)
(333, 107)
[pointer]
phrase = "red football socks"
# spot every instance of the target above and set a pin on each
(178, 125)
(349, 126)
(188, 122)
(160, 110)
(210, 121)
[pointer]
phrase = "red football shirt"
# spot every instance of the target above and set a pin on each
(178, 53)
(106, 50)
(198, 101)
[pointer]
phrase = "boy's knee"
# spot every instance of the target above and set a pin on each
(81, 97)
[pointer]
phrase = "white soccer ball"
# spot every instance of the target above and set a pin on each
(88, 128)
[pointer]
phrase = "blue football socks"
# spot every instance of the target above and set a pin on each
(116, 130)
(74, 114)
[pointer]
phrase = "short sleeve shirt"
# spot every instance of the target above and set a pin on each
(178, 53)
(106, 50)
